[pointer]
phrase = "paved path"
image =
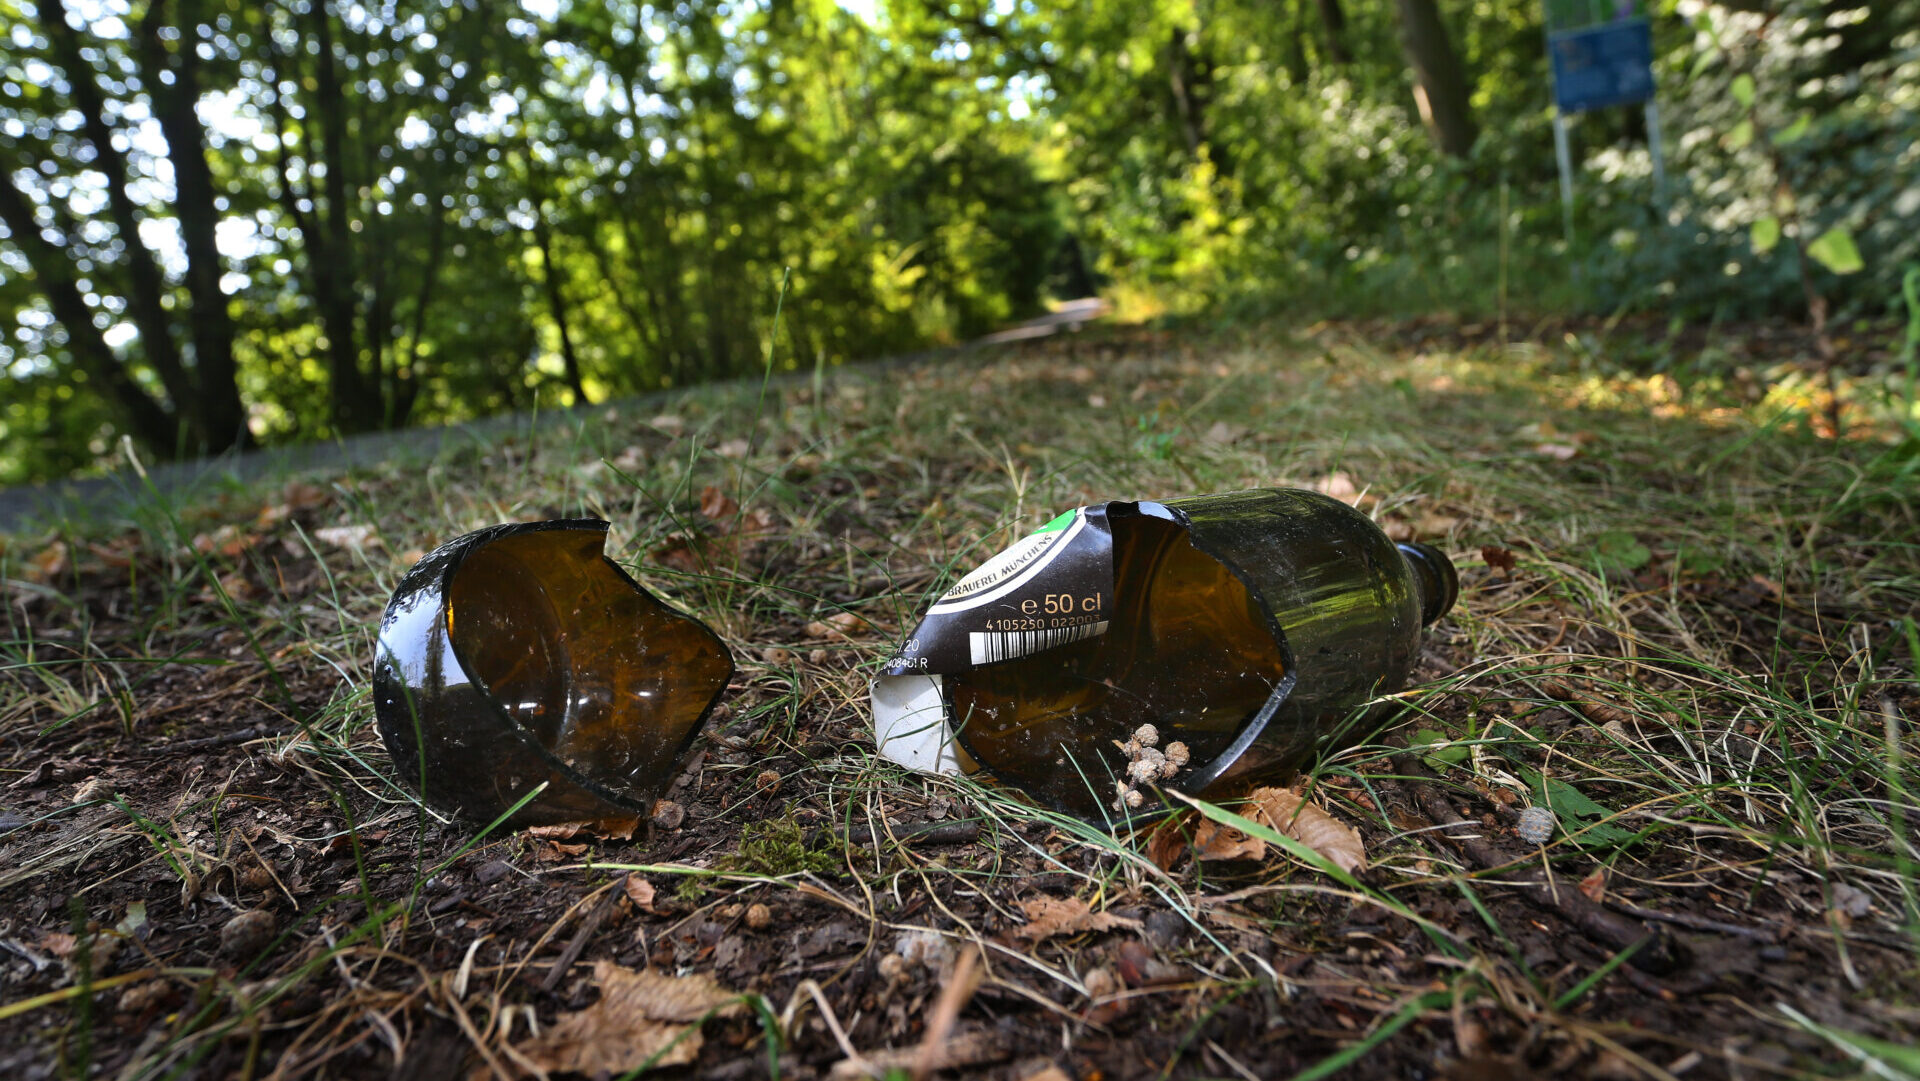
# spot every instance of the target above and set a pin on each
(30, 507)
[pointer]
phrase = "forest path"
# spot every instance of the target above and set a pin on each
(29, 506)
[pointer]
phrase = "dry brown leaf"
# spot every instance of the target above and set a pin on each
(1168, 841)
(1050, 916)
(227, 540)
(641, 893)
(837, 625)
(679, 554)
(1595, 885)
(1223, 433)
(52, 561)
(295, 497)
(1307, 823)
(639, 1015)
(611, 829)
(555, 852)
(1213, 841)
(1340, 486)
(1497, 558)
(716, 504)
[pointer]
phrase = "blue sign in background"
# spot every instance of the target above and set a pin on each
(1598, 66)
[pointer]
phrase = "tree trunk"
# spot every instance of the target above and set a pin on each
(355, 399)
(223, 418)
(147, 420)
(1334, 18)
(557, 305)
(1440, 80)
(406, 386)
(149, 285)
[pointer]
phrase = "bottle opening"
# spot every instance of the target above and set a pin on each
(1188, 650)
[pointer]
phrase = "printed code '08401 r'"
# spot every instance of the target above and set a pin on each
(1006, 645)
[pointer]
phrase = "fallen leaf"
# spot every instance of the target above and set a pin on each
(1305, 822)
(1497, 558)
(227, 540)
(294, 498)
(1213, 841)
(1223, 433)
(640, 1015)
(838, 625)
(641, 893)
(1339, 486)
(1169, 841)
(758, 520)
(678, 553)
(58, 943)
(1050, 916)
(1559, 452)
(612, 829)
(716, 504)
(52, 561)
(1595, 885)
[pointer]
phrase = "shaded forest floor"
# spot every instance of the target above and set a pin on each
(1689, 625)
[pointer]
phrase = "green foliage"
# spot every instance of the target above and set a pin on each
(437, 210)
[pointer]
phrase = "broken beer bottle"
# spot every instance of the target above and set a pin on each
(1244, 628)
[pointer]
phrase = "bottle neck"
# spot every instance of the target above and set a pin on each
(1433, 578)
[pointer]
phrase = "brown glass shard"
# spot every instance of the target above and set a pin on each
(1249, 627)
(520, 654)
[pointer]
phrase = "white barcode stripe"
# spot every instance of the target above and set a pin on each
(988, 647)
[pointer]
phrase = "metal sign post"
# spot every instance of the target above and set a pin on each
(1602, 55)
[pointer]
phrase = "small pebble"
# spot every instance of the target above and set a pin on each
(1536, 825)
(245, 935)
(667, 815)
(492, 871)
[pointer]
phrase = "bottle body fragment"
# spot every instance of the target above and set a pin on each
(1244, 628)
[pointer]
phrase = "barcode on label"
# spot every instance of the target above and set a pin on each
(988, 647)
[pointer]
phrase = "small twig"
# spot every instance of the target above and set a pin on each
(933, 833)
(244, 735)
(1767, 933)
(588, 928)
(1663, 954)
(946, 1010)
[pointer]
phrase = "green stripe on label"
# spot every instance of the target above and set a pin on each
(1057, 524)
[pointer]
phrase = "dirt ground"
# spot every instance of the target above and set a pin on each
(205, 871)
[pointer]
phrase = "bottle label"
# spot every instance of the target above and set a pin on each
(1048, 589)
